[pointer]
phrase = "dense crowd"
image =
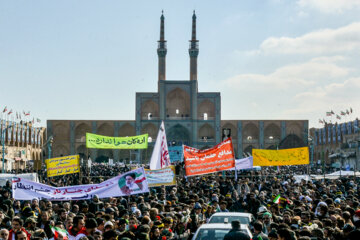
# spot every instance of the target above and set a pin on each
(316, 209)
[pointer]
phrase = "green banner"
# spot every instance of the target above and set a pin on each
(104, 142)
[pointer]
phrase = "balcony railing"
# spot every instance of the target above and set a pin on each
(251, 141)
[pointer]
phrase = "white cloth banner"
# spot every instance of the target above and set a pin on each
(244, 163)
(129, 183)
(4, 177)
(160, 156)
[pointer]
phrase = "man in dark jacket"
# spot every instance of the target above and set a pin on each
(235, 233)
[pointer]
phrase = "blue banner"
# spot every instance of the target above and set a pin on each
(175, 153)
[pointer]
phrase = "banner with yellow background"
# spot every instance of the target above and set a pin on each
(62, 165)
(292, 156)
(161, 177)
(104, 142)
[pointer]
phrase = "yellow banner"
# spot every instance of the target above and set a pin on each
(62, 165)
(292, 156)
(104, 142)
(161, 177)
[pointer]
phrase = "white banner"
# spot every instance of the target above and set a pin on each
(4, 177)
(244, 163)
(130, 183)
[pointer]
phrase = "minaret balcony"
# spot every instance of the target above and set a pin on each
(162, 44)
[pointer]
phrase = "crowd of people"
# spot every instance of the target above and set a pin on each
(284, 209)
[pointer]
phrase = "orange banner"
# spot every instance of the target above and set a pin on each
(215, 159)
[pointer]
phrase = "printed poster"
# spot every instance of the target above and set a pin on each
(104, 142)
(129, 183)
(215, 159)
(62, 165)
(292, 156)
(161, 177)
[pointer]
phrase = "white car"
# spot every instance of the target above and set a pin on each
(217, 231)
(221, 217)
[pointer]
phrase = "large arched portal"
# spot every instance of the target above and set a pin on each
(178, 135)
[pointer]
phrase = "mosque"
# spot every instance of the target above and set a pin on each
(191, 117)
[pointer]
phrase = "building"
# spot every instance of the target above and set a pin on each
(337, 145)
(191, 117)
(22, 144)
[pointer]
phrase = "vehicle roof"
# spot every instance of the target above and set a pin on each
(221, 225)
(232, 214)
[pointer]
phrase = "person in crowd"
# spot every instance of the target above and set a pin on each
(307, 209)
(235, 233)
(17, 227)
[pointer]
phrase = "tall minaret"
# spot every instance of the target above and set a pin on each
(193, 50)
(162, 50)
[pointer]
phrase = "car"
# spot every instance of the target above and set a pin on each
(221, 217)
(217, 231)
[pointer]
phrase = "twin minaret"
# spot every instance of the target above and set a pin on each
(193, 50)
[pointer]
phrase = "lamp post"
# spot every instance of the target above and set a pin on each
(3, 146)
(50, 142)
(311, 146)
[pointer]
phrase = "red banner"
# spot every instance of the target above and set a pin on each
(215, 159)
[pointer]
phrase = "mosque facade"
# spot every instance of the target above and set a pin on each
(191, 117)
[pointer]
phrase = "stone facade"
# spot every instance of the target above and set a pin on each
(337, 145)
(22, 144)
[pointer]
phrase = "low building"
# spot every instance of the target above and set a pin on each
(20, 144)
(337, 145)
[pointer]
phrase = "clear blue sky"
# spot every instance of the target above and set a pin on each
(271, 59)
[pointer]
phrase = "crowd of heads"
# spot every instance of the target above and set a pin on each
(283, 208)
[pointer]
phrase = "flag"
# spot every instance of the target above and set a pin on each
(347, 112)
(27, 114)
(277, 199)
(59, 231)
(10, 112)
(160, 156)
(342, 113)
(320, 121)
(38, 120)
(351, 110)
(328, 114)
(338, 117)
(332, 112)
(5, 109)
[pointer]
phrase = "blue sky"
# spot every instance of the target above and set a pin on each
(270, 59)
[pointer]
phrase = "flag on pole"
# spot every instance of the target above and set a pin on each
(342, 113)
(351, 110)
(328, 114)
(347, 112)
(338, 117)
(38, 120)
(160, 156)
(5, 109)
(59, 232)
(10, 112)
(27, 114)
(332, 112)
(277, 199)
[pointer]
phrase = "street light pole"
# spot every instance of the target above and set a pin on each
(50, 142)
(3, 149)
(3, 146)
